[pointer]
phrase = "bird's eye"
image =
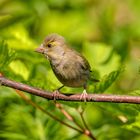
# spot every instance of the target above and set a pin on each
(49, 45)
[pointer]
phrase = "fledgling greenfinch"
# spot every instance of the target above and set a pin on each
(70, 67)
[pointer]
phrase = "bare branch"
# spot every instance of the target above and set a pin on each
(71, 97)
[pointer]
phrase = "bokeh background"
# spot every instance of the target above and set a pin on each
(107, 33)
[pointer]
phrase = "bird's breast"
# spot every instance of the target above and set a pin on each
(70, 72)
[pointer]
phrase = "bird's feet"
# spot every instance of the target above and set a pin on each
(55, 94)
(84, 95)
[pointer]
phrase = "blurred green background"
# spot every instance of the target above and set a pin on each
(107, 33)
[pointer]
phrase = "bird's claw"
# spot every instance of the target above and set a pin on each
(55, 94)
(84, 95)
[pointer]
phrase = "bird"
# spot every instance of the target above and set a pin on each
(69, 66)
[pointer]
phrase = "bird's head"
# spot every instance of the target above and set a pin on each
(52, 47)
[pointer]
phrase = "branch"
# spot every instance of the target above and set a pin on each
(47, 113)
(86, 131)
(72, 97)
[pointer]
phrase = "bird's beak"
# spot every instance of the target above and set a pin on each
(40, 49)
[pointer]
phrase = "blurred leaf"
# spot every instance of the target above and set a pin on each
(6, 55)
(7, 20)
(19, 68)
(107, 81)
(12, 136)
(134, 126)
(99, 53)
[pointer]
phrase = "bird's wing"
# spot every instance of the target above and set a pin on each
(83, 62)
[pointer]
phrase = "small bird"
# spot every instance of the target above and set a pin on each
(70, 67)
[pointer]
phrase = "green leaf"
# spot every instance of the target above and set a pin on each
(6, 55)
(107, 81)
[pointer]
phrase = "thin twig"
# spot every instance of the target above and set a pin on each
(86, 130)
(68, 115)
(83, 120)
(76, 97)
(44, 111)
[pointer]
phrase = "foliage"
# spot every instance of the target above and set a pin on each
(106, 33)
(6, 56)
(107, 81)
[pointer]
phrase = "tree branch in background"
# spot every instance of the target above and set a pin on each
(72, 97)
(86, 132)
